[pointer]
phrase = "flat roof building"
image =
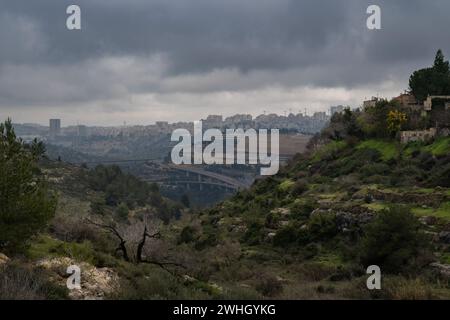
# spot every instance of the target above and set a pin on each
(55, 127)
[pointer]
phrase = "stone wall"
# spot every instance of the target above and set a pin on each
(422, 135)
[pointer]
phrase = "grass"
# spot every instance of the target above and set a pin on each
(330, 196)
(376, 206)
(442, 212)
(439, 147)
(388, 150)
(445, 258)
(413, 146)
(425, 190)
(286, 185)
(330, 148)
(329, 259)
(47, 247)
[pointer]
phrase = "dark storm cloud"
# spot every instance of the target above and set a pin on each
(286, 43)
(197, 35)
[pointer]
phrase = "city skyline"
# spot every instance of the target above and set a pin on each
(301, 112)
(57, 125)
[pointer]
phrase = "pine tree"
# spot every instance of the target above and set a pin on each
(440, 65)
(25, 202)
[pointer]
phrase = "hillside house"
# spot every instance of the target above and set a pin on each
(428, 104)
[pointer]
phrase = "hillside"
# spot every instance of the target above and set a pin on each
(307, 230)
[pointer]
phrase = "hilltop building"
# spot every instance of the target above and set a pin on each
(406, 99)
(370, 103)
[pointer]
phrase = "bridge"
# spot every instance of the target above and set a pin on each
(196, 175)
(205, 177)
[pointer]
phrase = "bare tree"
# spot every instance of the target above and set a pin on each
(133, 234)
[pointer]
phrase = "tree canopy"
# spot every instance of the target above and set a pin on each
(431, 81)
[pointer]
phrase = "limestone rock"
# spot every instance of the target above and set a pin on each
(3, 259)
(444, 237)
(96, 283)
(443, 269)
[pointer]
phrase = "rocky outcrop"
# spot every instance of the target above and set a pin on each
(348, 220)
(444, 237)
(96, 283)
(431, 200)
(3, 259)
(429, 220)
(443, 269)
(283, 212)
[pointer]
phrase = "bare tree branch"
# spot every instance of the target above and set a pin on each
(109, 228)
(140, 247)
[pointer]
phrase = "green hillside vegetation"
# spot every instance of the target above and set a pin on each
(387, 149)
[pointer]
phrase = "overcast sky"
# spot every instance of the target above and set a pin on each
(142, 61)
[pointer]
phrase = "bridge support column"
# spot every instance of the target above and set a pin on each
(200, 180)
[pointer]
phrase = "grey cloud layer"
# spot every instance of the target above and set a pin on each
(206, 46)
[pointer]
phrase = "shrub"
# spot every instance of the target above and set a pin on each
(254, 234)
(300, 186)
(392, 241)
(439, 177)
(206, 240)
(323, 226)
(98, 206)
(426, 161)
(268, 285)
(303, 208)
(187, 235)
(285, 237)
(72, 229)
(272, 220)
(375, 169)
(152, 283)
(368, 198)
(122, 212)
(285, 186)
